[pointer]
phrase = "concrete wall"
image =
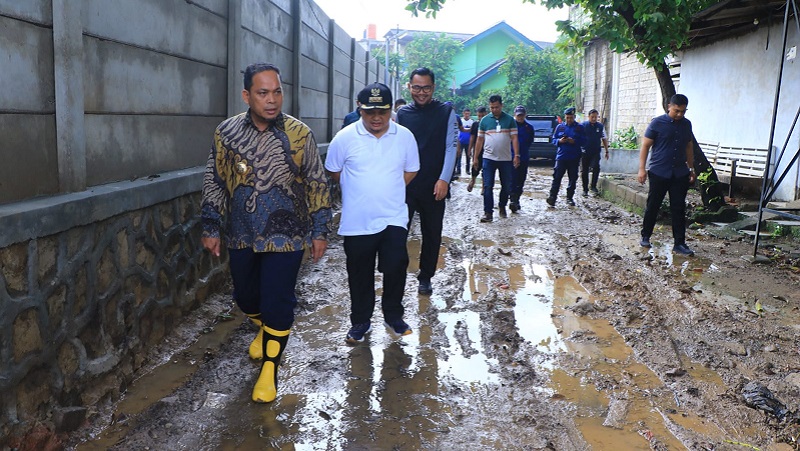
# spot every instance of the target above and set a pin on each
(99, 91)
(731, 88)
(596, 80)
(107, 111)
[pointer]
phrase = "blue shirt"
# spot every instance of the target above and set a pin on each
(670, 138)
(525, 138)
(594, 136)
(351, 117)
(569, 151)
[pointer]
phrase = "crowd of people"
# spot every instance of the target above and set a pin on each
(266, 194)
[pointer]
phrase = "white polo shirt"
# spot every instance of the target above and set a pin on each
(372, 176)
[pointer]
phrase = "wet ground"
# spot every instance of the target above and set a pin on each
(549, 329)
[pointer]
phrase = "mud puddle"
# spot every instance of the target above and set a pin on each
(619, 402)
(159, 383)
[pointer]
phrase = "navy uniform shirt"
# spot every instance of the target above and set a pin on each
(670, 138)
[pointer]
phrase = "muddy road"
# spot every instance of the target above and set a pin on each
(550, 329)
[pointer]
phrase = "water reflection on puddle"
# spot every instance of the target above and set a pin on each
(466, 360)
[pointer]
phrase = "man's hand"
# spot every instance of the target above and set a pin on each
(212, 244)
(642, 176)
(440, 189)
(692, 177)
(318, 248)
(516, 161)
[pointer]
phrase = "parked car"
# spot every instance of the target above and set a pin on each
(542, 145)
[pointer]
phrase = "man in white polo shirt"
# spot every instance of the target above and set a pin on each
(373, 160)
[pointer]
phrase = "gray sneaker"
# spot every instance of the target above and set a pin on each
(645, 242)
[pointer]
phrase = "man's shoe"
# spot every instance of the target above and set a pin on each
(397, 328)
(514, 207)
(645, 241)
(586, 194)
(471, 185)
(503, 213)
(594, 190)
(487, 217)
(551, 201)
(570, 202)
(425, 287)
(682, 249)
(356, 333)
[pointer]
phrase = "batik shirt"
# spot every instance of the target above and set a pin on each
(265, 190)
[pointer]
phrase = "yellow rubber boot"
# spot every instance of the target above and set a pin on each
(256, 349)
(274, 341)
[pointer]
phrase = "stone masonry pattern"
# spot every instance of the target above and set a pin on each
(78, 309)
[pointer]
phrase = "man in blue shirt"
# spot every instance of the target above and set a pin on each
(590, 160)
(671, 170)
(525, 138)
(569, 136)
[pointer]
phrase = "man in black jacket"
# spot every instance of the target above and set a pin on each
(435, 128)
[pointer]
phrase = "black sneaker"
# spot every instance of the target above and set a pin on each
(487, 217)
(397, 328)
(357, 332)
(551, 201)
(570, 202)
(425, 287)
(503, 213)
(682, 249)
(645, 242)
(595, 191)
(586, 194)
(514, 207)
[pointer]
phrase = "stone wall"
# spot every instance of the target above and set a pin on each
(104, 279)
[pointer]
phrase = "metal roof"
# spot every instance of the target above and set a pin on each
(732, 18)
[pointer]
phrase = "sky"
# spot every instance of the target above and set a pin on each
(456, 16)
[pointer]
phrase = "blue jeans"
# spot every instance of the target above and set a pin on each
(506, 169)
(570, 167)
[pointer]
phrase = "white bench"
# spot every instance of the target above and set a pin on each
(735, 162)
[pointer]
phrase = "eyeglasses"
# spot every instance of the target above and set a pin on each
(426, 89)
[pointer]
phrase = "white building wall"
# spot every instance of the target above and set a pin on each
(731, 89)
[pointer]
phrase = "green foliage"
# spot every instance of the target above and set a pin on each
(396, 61)
(541, 80)
(625, 139)
(434, 51)
(652, 29)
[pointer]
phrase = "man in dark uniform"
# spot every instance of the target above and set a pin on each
(671, 170)
(590, 159)
(435, 127)
(525, 138)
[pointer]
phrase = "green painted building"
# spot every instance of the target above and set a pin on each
(477, 66)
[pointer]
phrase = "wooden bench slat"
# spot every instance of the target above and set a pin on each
(750, 161)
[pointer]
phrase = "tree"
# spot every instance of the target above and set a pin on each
(536, 79)
(436, 52)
